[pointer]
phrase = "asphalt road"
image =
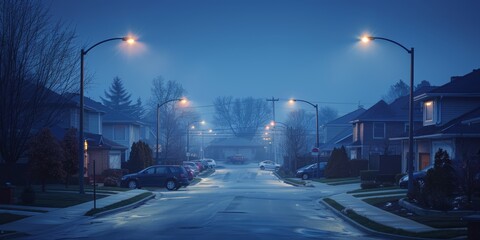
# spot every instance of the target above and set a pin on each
(236, 202)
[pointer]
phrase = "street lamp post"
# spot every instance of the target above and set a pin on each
(410, 51)
(316, 129)
(188, 136)
(83, 52)
(158, 124)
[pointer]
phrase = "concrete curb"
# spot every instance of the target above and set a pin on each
(288, 182)
(127, 207)
(368, 230)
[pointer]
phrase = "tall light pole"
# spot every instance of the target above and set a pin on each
(410, 51)
(158, 123)
(188, 136)
(273, 100)
(83, 52)
(316, 129)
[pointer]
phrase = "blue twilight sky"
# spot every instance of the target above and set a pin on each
(297, 48)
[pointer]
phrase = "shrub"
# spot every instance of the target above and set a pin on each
(140, 157)
(112, 177)
(338, 166)
(28, 195)
(368, 185)
(440, 182)
(385, 179)
(368, 175)
(356, 166)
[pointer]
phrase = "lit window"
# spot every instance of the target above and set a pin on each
(428, 112)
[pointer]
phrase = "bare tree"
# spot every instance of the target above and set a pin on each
(37, 67)
(172, 117)
(244, 117)
(297, 139)
(399, 89)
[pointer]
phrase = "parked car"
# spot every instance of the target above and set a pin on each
(210, 162)
(193, 166)
(170, 177)
(191, 173)
(310, 171)
(202, 163)
(418, 176)
(268, 164)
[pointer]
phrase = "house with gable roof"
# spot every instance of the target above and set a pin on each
(374, 129)
(450, 120)
(338, 132)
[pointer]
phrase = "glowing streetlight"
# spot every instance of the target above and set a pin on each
(410, 157)
(317, 142)
(83, 52)
(191, 126)
(181, 100)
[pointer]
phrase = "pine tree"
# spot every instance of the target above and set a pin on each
(138, 110)
(117, 98)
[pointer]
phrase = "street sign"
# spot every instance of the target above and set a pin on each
(315, 151)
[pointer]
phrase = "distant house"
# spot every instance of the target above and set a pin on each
(338, 132)
(121, 128)
(373, 129)
(222, 148)
(450, 120)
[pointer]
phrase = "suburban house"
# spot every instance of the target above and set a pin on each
(374, 128)
(338, 132)
(107, 154)
(121, 128)
(451, 121)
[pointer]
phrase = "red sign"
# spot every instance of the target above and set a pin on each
(315, 151)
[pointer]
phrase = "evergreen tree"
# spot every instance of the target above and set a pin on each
(140, 157)
(440, 182)
(117, 98)
(337, 166)
(137, 109)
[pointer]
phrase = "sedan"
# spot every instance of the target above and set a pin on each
(419, 177)
(311, 171)
(268, 164)
(170, 177)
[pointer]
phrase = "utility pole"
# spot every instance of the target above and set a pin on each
(273, 100)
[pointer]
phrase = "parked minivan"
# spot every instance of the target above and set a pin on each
(170, 177)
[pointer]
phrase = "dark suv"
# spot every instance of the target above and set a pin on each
(171, 177)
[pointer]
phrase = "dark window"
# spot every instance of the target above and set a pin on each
(378, 130)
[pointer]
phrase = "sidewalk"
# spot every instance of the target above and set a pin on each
(364, 209)
(42, 221)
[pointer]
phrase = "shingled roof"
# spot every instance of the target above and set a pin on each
(464, 86)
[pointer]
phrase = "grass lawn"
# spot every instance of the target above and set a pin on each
(338, 181)
(119, 204)
(371, 194)
(59, 199)
(438, 234)
(390, 204)
(8, 217)
(332, 180)
(374, 189)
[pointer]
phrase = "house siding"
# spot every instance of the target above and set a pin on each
(452, 108)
